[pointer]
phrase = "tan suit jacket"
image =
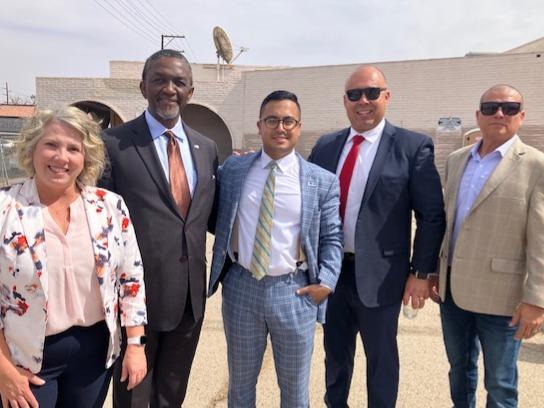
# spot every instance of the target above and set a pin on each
(499, 253)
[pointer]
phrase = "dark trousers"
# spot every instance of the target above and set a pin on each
(346, 317)
(74, 368)
(169, 355)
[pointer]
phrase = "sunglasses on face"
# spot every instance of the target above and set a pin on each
(507, 108)
(371, 93)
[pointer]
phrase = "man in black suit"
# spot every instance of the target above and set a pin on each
(170, 225)
(385, 173)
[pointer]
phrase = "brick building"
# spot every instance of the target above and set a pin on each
(225, 104)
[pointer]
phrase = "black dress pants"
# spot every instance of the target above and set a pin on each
(74, 368)
(170, 356)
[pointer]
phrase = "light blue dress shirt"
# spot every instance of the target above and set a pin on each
(161, 144)
(477, 172)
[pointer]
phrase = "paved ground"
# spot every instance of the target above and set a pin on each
(423, 376)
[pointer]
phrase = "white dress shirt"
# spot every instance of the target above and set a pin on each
(285, 249)
(160, 140)
(363, 164)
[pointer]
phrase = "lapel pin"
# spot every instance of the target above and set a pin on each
(197, 146)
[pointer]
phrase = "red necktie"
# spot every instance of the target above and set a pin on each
(347, 172)
(179, 186)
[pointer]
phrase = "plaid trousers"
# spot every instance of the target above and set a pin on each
(253, 309)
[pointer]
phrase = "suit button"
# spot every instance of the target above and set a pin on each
(183, 258)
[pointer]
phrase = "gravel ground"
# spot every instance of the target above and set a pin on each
(423, 375)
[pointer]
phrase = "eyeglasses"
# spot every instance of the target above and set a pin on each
(272, 122)
(507, 108)
(370, 93)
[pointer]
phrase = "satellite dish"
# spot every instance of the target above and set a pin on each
(222, 44)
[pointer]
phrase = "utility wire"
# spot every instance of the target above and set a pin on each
(122, 10)
(154, 13)
(141, 19)
(147, 14)
(158, 15)
(136, 30)
(193, 55)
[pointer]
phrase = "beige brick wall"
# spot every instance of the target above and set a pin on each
(422, 92)
(121, 95)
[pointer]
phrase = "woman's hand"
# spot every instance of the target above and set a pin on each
(134, 366)
(15, 388)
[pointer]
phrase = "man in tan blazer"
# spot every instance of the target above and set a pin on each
(492, 257)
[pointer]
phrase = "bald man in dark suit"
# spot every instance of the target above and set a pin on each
(386, 173)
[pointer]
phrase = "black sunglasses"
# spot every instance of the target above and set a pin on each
(507, 108)
(371, 93)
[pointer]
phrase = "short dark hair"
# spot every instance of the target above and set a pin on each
(279, 96)
(166, 53)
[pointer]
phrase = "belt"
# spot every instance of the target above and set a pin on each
(349, 257)
(301, 266)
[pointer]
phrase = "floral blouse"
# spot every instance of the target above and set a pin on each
(23, 269)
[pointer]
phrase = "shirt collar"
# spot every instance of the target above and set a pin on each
(157, 129)
(284, 164)
(501, 150)
(371, 135)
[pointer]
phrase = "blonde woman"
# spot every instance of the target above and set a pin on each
(70, 270)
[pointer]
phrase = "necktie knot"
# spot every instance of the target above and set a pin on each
(358, 139)
(170, 135)
(272, 165)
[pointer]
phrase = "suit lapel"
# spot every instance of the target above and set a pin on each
(308, 192)
(200, 163)
(336, 150)
(505, 167)
(235, 183)
(143, 142)
(239, 176)
(386, 142)
(454, 182)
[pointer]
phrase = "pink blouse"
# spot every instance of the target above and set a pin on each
(74, 294)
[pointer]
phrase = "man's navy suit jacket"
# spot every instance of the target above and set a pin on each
(403, 178)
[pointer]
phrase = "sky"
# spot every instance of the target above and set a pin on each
(78, 38)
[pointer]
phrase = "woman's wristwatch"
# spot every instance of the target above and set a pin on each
(137, 340)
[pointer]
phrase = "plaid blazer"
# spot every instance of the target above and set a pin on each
(499, 253)
(321, 233)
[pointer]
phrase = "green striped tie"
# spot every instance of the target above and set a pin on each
(260, 259)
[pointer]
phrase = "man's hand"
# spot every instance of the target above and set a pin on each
(530, 319)
(134, 366)
(317, 292)
(434, 288)
(15, 389)
(418, 290)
